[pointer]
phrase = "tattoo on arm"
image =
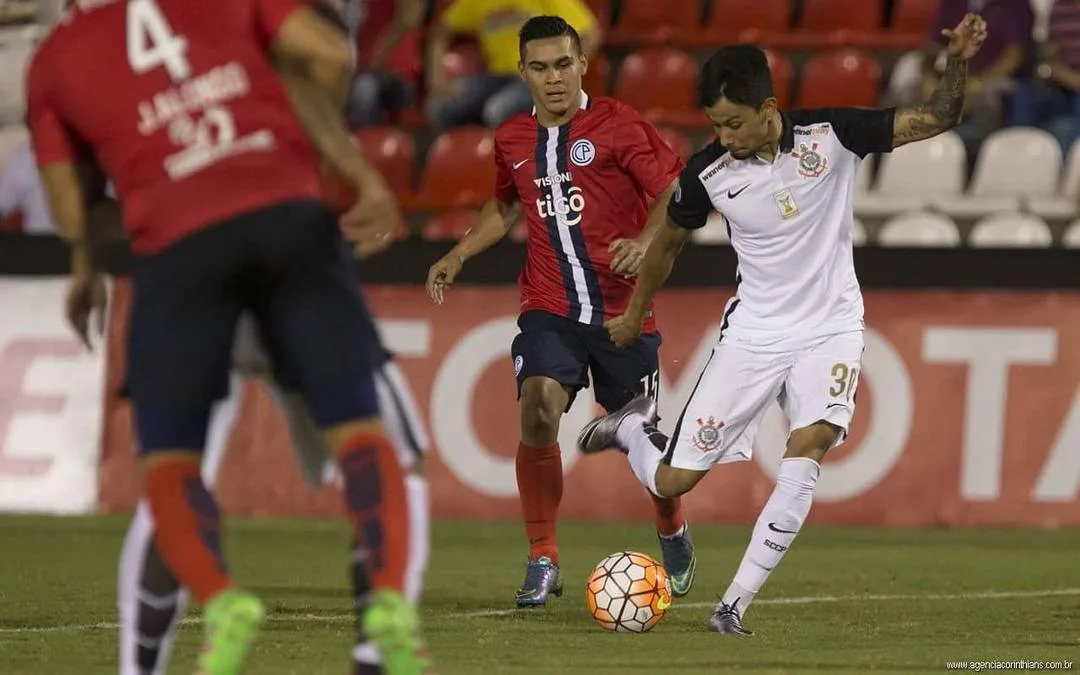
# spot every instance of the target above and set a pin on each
(940, 113)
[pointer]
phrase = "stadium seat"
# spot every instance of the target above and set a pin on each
(651, 22)
(1011, 230)
(449, 226)
(918, 229)
(11, 137)
(464, 58)
(865, 177)
(914, 175)
(1013, 164)
(755, 21)
(460, 171)
(1071, 238)
(910, 21)
(678, 142)
(905, 78)
(660, 84)
(1065, 203)
(602, 10)
(783, 76)
(842, 77)
(597, 80)
(715, 231)
(393, 153)
(858, 236)
(834, 23)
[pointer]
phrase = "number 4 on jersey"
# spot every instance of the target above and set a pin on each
(151, 43)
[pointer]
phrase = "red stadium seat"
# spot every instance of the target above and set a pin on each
(393, 153)
(653, 22)
(842, 77)
(783, 74)
(460, 171)
(12, 223)
(910, 21)
(464, 58)
(449, 226)
(602, 10)
(835, 23)
(678, 142)
(755, 21)
(660, 84)
(597, 78)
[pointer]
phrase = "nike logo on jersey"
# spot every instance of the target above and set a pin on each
(774, 528)
(518, 165)
(732, 194)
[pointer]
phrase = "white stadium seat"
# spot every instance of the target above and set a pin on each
(1011, 230)
(1013, 164)
(858, 237)
(914, 175)
(714, 232)
(1064, 204)
(1071, 238)
(11, 137)
(919, 228)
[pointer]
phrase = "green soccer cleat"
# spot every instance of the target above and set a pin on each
(679, 561)
(233, 619)
(393, 625)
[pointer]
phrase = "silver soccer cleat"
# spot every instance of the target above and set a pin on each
(599, 435)
(727, 619)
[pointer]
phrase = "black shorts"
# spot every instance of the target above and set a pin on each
(290, 267)
(567, 351)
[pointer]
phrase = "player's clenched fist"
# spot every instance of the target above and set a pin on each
(442, 275)
(625, 329)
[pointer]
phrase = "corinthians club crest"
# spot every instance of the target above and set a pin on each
(708, 435)
(811, 162)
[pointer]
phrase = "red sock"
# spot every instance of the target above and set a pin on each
(669, 516)
(377, 507)
(187, 525)
(540, 484)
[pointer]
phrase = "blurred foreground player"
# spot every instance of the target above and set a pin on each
(222, 199)
(793, 332)
(584, 171)
(150, 599)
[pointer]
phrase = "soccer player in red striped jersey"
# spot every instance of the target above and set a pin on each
(584, 171)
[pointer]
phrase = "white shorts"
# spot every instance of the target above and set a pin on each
(737, 386)
(399, 412)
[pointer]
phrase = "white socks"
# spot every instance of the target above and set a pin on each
(775, 529)
(644, 449)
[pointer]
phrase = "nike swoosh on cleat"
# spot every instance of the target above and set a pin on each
(522, 592)
(774, 528)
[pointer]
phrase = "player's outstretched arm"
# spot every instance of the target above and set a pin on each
(655, 269)
(942, 110)
(494, 221)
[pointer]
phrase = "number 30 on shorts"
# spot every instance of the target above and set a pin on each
(845, 379)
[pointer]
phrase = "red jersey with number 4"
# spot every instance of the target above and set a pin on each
(582, 186)
(178, 102)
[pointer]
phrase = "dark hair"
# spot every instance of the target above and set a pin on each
(543, 27)
(739, 73)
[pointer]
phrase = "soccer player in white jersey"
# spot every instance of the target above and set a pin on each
(793, 332)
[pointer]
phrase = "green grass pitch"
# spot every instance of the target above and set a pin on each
(845, 600)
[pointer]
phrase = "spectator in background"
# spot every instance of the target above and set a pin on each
(1051, 99)
(492, 97)
(1006, 56)
(21, 192)
(388, 56)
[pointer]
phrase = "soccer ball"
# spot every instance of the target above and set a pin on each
(628, 592)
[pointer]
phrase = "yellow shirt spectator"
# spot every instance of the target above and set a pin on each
(496, 23)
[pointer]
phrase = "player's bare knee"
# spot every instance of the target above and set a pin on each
(674, 482)
(543, 401)
(814, 441)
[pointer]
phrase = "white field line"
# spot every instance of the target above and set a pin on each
(796, 600)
